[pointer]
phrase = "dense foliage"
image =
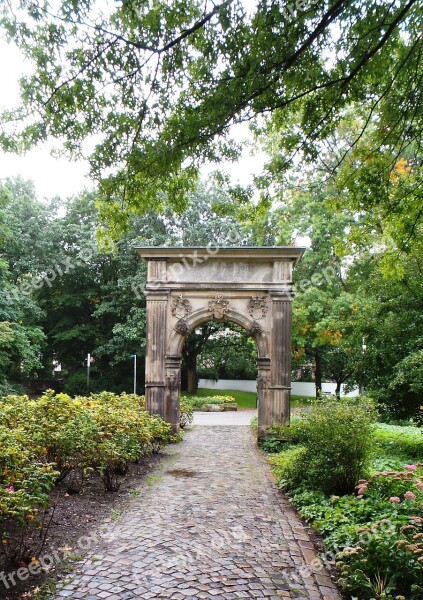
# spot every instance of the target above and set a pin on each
(57, 437)
(229, 353)
(64, 293)
(162, 82)
(373, 531)
(358, 308)
(334, 445)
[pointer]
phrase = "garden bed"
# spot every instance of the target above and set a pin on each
(59, 455)
(211, 403)
(226, 406)
(359, 484)
(76, 517)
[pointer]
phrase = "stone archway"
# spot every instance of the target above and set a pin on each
(251, 287)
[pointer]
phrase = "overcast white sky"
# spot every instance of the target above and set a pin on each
(58, 176)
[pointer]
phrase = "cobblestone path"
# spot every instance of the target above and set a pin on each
(208, 524)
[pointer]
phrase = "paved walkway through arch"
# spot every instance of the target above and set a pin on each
(209, 524)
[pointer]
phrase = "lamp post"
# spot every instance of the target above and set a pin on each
(88, 371)
(134, 356)
(361, 389)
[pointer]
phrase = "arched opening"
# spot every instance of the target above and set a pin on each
(217, 350)
(178, 338)
(197, 318)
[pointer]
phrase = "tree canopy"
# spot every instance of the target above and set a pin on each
(149, 90)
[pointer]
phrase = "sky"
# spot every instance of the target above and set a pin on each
(61, 177)
(52, 176)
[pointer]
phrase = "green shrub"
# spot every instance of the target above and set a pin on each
(198, 401)
(186, 411)
(25, 487)
(385, 567)
(7, 389)
(45, 440)
(293, 433)
(337, 439)
(375, 533)
(271, 445)
(286, 467)
(76, 384)
(385, 557)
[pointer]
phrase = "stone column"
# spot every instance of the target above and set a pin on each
(280, 386)
(156, 338)
(172, 391)
(263, 395)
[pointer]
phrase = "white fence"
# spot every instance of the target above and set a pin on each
(299, 388)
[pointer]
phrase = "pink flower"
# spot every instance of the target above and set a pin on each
(394, 499)
(419, 485)
(11, 488)
(409, 496)
(417, 519)
(411, 467)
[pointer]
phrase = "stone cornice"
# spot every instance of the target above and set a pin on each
(211, 253)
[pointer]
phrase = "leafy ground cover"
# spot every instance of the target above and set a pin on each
(56, 438)
(197, 402)
(360, 485)
(248, 400)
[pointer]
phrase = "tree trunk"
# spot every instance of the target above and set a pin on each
(192, 383)
(318, 374)
(338, 389)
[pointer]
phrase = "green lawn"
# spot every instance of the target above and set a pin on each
(248, 399)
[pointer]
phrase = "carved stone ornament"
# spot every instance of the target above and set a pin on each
(218, 307)
(173, 382)
(258, 307)
(182, 327)
(255, 328)
(262, 382)
(181, 307)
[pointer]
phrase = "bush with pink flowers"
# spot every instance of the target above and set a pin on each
(375, 536)
(372, 531)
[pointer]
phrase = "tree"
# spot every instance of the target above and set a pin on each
(67, 290)
(364, 225)
(93, 298)
(21, 337)
(390, 324)
(229, 353)
(163, 82)
(194, 345)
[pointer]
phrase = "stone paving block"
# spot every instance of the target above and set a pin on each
(223, 533)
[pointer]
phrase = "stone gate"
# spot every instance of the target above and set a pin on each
(249, 286)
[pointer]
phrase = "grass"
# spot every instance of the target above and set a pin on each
(247, 400)
(397, 445)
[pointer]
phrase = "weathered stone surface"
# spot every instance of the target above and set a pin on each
(251, 287)
(212, 525)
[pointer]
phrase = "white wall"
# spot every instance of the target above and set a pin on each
(299, 388)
